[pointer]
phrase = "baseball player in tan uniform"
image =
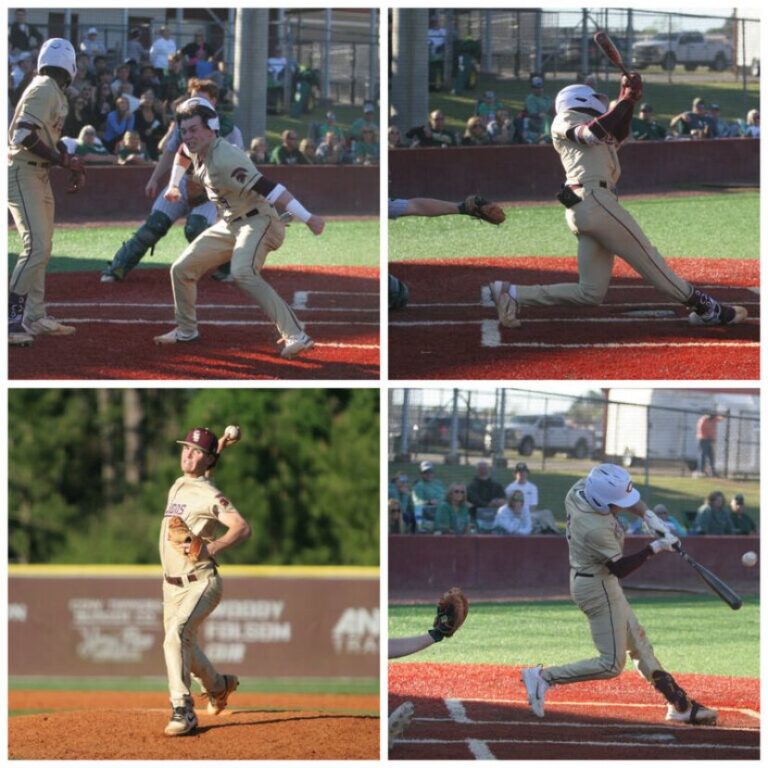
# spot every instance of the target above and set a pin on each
(587, 138)
(192, 590)
(248, 229)
(595, 546)
(34, 144)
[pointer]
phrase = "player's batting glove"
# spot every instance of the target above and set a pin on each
(655, 523)
(631, 87)
(665, 543)
(480, 208)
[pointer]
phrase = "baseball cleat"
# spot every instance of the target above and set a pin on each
(183, 720)
(107, 278)
(536, 687)
(217, 702)
(18, 337)
(48, 326)
(399, 720)
(696, 714)
(728, 315)
(506, 306)
(176, 337)
(295, 345)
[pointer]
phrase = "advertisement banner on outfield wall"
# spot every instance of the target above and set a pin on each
(263, 627)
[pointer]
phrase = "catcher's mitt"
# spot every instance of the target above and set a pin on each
(196, 194)
(480, 208)
(180, 535)
(452, 610)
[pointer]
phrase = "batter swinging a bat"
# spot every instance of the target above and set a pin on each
(595, 546)
(587, 137)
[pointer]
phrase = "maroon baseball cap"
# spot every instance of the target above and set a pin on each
(202, 438)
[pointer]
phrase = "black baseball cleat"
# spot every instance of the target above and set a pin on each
(709, 311)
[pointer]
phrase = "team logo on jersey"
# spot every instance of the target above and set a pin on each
(240, 174)
(224, 501)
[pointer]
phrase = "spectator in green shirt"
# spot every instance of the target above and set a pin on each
(742, 523)
(288, 153)
(90, 148)
(645, 128)
(453, 514)
(713, 519)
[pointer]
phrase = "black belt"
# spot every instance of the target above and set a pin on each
(585, 575)
(603, 184)
(254, 212)
(177, 581)
(39, 165)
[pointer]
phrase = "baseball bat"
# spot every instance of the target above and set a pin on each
(607, 46)
(717, 585)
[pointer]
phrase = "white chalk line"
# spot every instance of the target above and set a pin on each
(480, 749)
(608, 304)
(581, 742)
(456, 711)
(219, 307)
(169, 321)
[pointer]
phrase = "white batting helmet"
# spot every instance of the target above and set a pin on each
(580, 97)
(610, 484)
(197, 105)
(58, 52)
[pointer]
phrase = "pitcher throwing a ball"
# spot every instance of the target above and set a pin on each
(595, 546)
(587, 137)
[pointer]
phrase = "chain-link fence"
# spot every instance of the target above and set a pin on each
(655, 429)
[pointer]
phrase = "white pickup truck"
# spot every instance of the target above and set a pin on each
(552, 434)
(691, 49)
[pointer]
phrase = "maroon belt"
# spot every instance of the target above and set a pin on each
(177, 581)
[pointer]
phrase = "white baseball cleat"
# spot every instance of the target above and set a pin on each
(107, 278)
(696, 714)
(295, 345)
(183, 720)
(176, 337)
(506, 306)
(399, 720)
(536, 687)
(48, 326)
(217, 702)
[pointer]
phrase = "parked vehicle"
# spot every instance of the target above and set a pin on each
(552, 434)
(691, 49)
(436, 433)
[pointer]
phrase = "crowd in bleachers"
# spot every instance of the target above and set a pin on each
(486, 507)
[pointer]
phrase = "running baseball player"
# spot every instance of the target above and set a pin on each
(34, 146)
(587, 137)
(193, 203)
(249, 228)
(595, 544)
(192, 587)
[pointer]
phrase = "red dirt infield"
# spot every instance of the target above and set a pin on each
(99, 725)
(449, 330)
(116, 323)
(482, 713)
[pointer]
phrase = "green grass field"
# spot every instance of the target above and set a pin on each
(343, 243)
(689, 634)
(721, 225)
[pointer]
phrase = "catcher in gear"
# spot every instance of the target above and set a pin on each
(192, 586)
(452, 610)
(587, 136)
(598, 563)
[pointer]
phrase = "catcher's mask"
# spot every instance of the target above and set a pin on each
(202, 438)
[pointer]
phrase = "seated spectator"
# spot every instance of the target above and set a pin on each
(259, 151)
(330, 150)
(330, 124)
(148, 80)
(502, 129)
(396, 524)
(713, 519)
(91, 46)
(743, 524)
(484, 492)
(638, 526)
(288, 152)
(196, 51)
(645, 127)
(542, 520)
(752, 128)
(150, 123)
(488, 106)
(433, 134)
(721, 129)
(539, 109)
(428, 491)
(84, 75)
(693, 124)
(173, 81)
(452, 515)
(400, 490)
(130, 150)
(368, 120)
(104, 103)
(78, 117)
(514, 518)
(123, 78)
(308, 149)
(135, 52)
(22, 74)
(119, 120)
(367, 148)
(395, 138)
(475, 134)
(91, 148)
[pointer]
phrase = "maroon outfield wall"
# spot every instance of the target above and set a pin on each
(521, 172)
(109, 625)
(537, 566)
(117, 194)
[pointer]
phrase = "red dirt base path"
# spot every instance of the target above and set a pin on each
(482, 713)
(129, 726)
(450, 330)
(116, 323)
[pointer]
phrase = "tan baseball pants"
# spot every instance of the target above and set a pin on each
(247, 244)
(605, 230)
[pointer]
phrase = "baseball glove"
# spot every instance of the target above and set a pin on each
(196, 194)
(180, 535)
(452, 610)
(480, 208)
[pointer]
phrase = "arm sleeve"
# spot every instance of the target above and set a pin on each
(614, 123)
(626, 565)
